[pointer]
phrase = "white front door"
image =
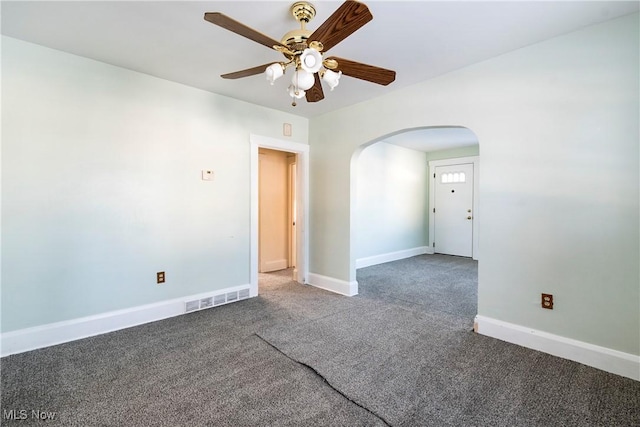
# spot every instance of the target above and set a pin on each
(453, 210)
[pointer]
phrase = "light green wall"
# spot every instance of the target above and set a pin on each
(392, 197)
(391, 200)
(101, 186)
(558, 126)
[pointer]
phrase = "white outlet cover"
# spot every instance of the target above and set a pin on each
(207, 175)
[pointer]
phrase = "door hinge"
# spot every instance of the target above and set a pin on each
(434, 175)
(434, 244)
(434, 210)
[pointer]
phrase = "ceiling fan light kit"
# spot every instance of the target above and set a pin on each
(331, 78)
(295, 93)
(304, 50)
(274, 72)
(311, 60)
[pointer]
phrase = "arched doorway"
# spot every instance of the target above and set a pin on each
(392, 200)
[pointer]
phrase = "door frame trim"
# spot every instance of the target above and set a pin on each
(301, 273)
(432, 164)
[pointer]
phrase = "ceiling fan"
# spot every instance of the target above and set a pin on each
(304, 50)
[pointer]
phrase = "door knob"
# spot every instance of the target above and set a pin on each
(468, 217)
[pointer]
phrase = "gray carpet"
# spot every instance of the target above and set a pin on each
(401, 353)
(407, 352)
(204, 368)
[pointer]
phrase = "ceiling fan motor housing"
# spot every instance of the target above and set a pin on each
(303, 12)
(296, 40)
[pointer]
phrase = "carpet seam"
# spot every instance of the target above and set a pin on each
(380, 417)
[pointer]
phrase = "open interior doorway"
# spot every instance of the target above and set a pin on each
(299, 207)
(276, 210)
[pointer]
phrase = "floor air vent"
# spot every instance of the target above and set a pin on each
(206, 302)
(215, 300)
(191, 306)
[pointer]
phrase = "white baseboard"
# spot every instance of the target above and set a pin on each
(70, 330)
(392, 256)
(606, 359)
(334, 285)
(276, 265)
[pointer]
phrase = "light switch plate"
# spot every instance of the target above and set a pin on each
(207, 175)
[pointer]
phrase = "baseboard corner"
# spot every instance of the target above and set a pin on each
(332, 284)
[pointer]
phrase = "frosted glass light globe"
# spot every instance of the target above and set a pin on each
(292, 92)
(303, 80)
(332, 78)
(274, 72)
(311, 60)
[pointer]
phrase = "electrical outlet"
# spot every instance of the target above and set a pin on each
(547, 301)
(160, 277)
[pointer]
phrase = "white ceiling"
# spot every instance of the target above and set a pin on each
(418, 39)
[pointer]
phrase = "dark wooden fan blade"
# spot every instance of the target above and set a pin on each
(370, 73)
(348, 18)
(316, 93)
(246, 73)
(241, 29)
